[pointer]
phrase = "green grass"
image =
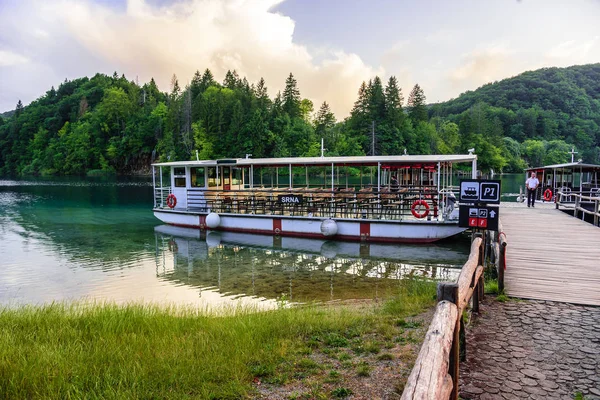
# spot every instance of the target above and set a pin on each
(502, 298)
(135, 351)
(491, 286)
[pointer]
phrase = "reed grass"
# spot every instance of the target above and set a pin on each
(137, 351)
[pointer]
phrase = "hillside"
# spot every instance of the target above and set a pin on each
(108, 124)
(7, 114)
(548, 104)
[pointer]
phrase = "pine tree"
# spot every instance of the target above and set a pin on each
(262, 97)
(417, 110)
(231, 80)
(393, 100)
(175, 89)
(19, 108)
(291, 97)
(324, 124)
(377, 106)
(362, 103)
(207, 80)
(195, 85)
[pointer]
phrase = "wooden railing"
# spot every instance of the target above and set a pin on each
(435, 373)
(577, 205)
(498, 245)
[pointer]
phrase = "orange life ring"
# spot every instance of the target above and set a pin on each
(171, 201)
(547, 195)
(417, 214)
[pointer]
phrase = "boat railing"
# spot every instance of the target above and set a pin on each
(342, 202)
(160, 196)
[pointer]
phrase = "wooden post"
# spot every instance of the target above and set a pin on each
(502, 261)
(449, 291)
(577, 200)
(476, 298)
(481, 248)
(481, 286)
(596, 211)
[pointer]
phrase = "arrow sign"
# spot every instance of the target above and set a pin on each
(481, 217)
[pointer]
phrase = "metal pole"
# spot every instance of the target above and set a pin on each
(378, 178)
(154, 185)
(332, 178)
(306, 174)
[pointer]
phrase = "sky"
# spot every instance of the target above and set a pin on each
(331, 46)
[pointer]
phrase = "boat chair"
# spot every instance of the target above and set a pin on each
(367, 200)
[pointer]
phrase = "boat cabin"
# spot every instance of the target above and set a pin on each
(568, 179)
(381, 187)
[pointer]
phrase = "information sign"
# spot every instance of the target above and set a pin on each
(479, 191)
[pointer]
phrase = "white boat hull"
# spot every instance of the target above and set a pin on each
(369, 230)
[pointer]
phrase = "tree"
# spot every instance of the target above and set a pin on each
(175, 89)
(231, 80)
(196, 85)
(324, 124)
(306, 109)
(19, 109)
(377, 106)
(207, 80)
(393, 102)
(417, 112)
(291, 97)
(262, 97)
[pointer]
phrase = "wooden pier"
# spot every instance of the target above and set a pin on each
(551, 256)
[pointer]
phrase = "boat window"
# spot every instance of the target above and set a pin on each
(197, 175)
(179, 175)
(212, 177)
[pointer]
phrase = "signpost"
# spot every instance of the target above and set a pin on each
(474, 211)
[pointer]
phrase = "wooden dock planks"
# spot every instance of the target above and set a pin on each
(551, 256)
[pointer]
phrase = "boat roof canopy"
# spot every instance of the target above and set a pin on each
(574, 166)
(322, 161)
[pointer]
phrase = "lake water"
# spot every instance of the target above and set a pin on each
(97, 240)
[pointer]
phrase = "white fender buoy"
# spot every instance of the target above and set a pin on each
(213, 220)
(329, 249)
(329, 227)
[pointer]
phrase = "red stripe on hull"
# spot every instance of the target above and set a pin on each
(347, 238)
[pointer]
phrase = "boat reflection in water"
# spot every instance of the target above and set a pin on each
(297, 269)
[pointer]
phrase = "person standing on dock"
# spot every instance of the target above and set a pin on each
(531, 184)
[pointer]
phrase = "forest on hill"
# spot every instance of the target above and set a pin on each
(108, 124)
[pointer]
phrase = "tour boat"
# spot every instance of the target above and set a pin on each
(569, 179)
(402, 198)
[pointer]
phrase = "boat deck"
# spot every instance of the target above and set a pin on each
(551, 255)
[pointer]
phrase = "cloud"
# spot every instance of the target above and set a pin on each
(75, 38)
(482, 66)
(574, 52)
(8, 58)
